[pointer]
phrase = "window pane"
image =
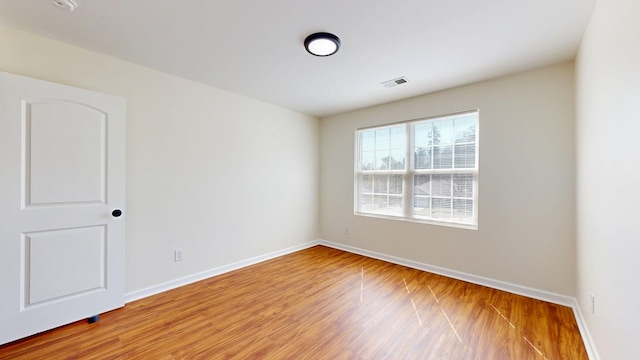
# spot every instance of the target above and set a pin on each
(422, 184)
(466, 128)
(463, 210)
(422, 158)
(380, 184)
(423, 141)
(366, 203)
(422, 206)
(367, 140)
(395, 203)
(463, 185)
(422, 135)
(396, 162)
(441, 185)
(382, 149)
(395, 184)
(382, 160)
(366, 184)
(366, 199)
(442, 157)
(441, 209)
(382, 139)
(443, 132)
(368, 160)
(465, 156)
(384, 205)
(398, 137)
(380, 202)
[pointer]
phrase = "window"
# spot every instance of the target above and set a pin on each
(424, 170)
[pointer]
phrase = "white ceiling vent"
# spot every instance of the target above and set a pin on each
(66, 4)
(395, 82)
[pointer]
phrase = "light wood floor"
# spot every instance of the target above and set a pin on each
(319, 303)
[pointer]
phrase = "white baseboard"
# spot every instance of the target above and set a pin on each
(492, 283)
(584, 331)
(173, 284)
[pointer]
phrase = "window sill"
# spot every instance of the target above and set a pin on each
(419, 221)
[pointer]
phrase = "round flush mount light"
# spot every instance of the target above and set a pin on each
(69, 5)
(322, 44)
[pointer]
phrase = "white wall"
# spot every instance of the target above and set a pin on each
(221, 176)
(526, 232)
(608, 143)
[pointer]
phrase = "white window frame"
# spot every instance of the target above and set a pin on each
(409, 172)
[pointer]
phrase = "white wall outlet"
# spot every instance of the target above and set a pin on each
(593, 304)
(346, 230)
(177, 255)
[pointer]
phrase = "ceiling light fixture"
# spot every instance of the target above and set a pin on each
(322, 44)
(66, 4)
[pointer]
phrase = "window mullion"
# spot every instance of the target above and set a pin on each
(453, 167)
(388, 194)
(451, 205)
(358, 172)
(407, 177)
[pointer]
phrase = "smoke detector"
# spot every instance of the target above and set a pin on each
(69, 5)
(395, 82)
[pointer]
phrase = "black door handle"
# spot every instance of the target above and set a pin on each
(116, 212)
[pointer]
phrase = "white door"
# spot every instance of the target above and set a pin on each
(62, 162)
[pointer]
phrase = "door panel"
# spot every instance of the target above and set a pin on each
(60, 166)
(63, 263)
(62, 162)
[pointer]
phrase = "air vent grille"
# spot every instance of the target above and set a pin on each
(395, 82)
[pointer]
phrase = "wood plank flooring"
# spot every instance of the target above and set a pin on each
(319, 303)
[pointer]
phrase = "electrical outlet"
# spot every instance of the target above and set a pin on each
(346, 230)
(593, 304)
(177, 255)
